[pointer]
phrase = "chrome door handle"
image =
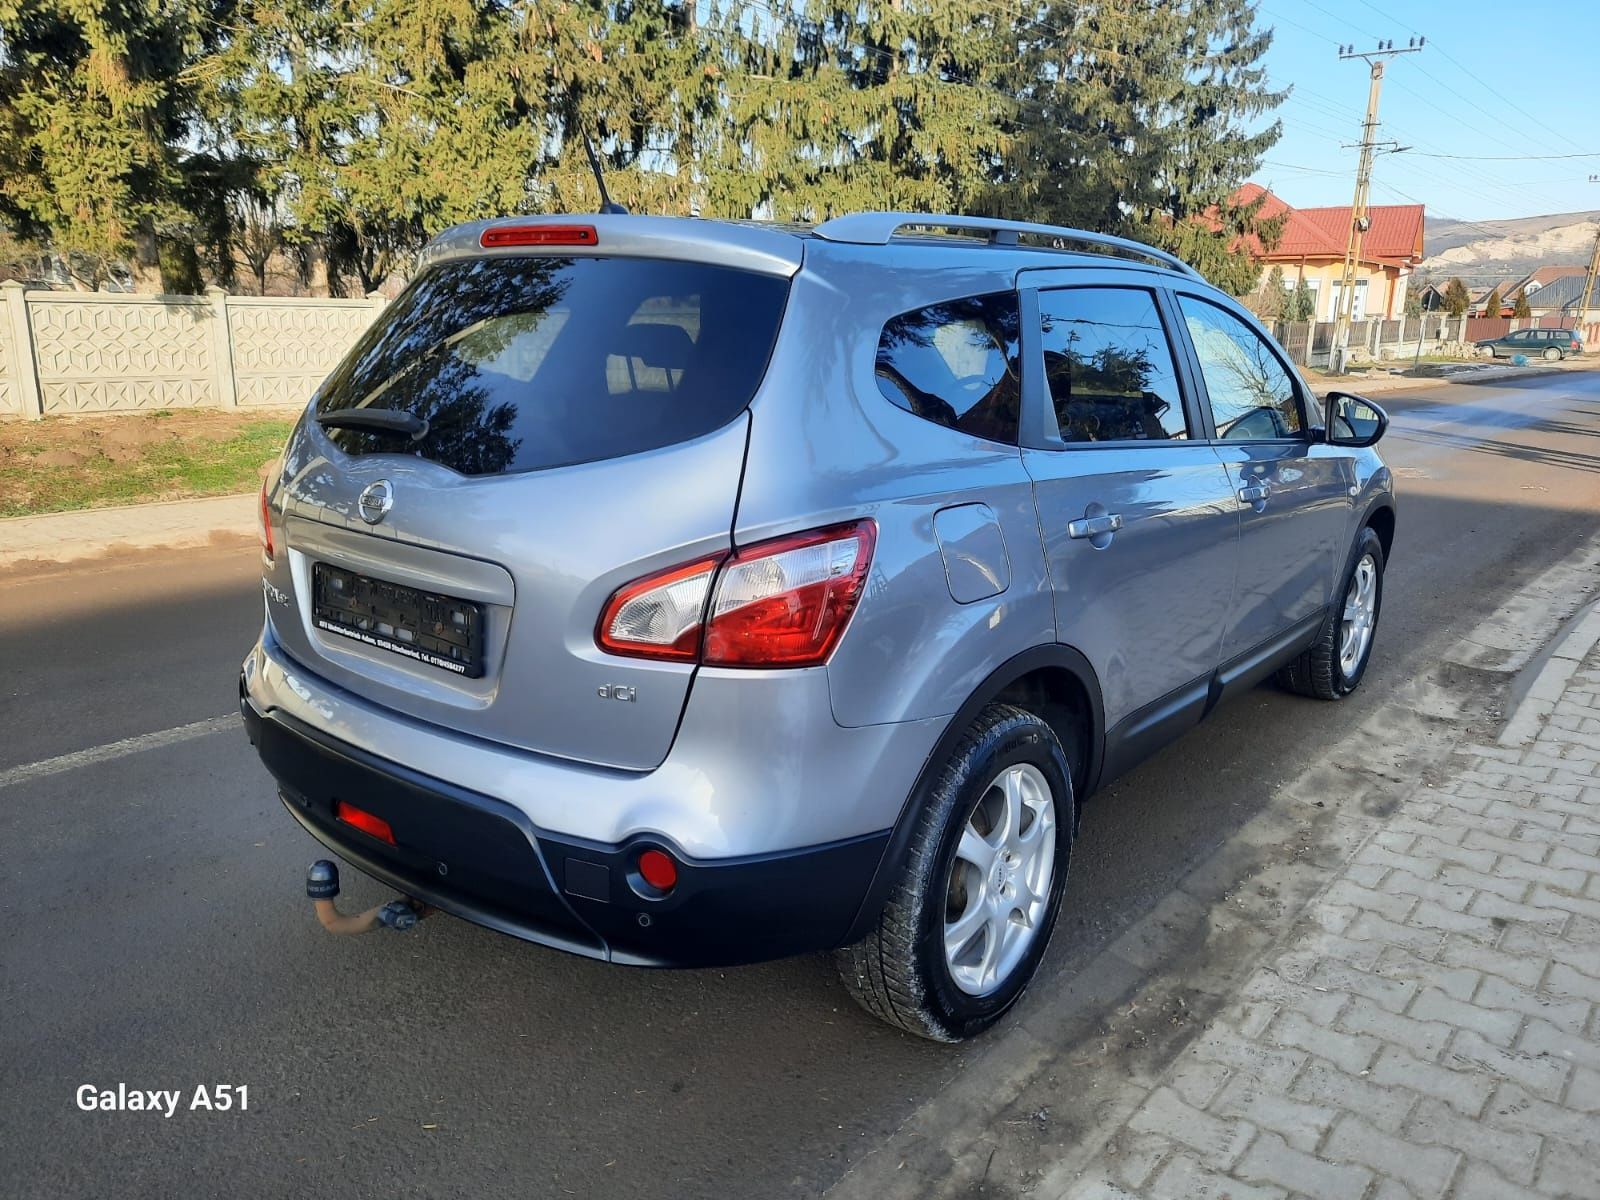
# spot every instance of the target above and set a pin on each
(1254, 493)
(1089, 527)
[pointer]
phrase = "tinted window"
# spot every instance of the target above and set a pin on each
(1252, 394)
(1109, 366)
(524, 363)
(956, 364)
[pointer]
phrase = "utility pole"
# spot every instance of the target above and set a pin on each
(1359, 223)
(1581, 317)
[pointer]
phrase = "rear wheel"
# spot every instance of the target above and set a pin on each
(1334, 664)
(968, 919)
(1552, 354)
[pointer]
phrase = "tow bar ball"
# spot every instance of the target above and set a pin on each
(322, 885)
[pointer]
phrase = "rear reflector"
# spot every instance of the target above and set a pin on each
(361, 819)
(658, 870)
(538, 235)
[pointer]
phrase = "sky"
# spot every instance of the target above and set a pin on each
(1497, 90)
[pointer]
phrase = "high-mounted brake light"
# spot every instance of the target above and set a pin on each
(538, 235)
(780, 603)
(361, 819)
(265, 514)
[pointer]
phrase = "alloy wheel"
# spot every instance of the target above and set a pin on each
(1360, 615)
(999, 888)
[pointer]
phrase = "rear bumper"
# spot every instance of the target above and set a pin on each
(482, 859)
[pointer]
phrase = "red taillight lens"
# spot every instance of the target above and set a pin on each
(785, 603)
(659, 616)
(538, 235)
(658, 870)
(364, 821)
(266, 523)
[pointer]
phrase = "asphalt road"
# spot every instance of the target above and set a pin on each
(154, 931)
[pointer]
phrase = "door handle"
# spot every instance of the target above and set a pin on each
(1092, 527)
(1254, 493)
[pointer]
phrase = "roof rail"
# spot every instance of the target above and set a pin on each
(880, 228)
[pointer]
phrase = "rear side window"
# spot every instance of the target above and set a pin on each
(957, 364)
(1109, 366)
(520, 364)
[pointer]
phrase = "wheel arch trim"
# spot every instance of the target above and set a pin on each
(1053, 656)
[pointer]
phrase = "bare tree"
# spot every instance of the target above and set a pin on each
(258, 234)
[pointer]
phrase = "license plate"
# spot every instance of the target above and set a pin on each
(438, 630)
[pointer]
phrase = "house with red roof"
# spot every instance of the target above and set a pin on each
(1312, 248)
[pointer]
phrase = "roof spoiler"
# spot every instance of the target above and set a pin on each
(880, 228)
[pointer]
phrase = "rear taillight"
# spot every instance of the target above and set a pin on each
(785, 603)
(781, 603)
(659, 616)
(266, 524)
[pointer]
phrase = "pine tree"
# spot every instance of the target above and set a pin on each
(1271, 299)
(346, 133)
(1522, 310)
(1456, 298)
(1142, 127)
(1491, 303)
(94, 113)
(1302, 302)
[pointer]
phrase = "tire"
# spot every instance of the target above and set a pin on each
(1552, 354)
(1321, 671)
(901, 972)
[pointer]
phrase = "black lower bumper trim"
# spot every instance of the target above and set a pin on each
(482, 860)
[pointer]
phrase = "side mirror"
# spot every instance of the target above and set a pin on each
(1354, 420)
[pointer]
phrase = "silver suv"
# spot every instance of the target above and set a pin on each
(683, 592)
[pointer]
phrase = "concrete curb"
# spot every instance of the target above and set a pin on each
(87, 533)
(1550, 680)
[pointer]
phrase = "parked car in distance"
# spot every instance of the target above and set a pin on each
(686, 593)
(1550, 344)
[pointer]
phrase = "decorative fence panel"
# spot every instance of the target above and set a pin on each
(282, 349)
(95, 354)
(68, 352)
(10, 387)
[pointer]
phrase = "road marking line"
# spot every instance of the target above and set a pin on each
(118, 749)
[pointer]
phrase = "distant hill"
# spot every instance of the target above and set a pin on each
(1491, 249)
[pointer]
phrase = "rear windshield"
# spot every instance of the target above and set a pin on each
(520, 364)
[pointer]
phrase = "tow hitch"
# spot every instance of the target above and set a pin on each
(322, 885)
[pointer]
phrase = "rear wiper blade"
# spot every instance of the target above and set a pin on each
(376, 420)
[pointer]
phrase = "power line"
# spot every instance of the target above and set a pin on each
(1503, 99)
(1543, 129)
(1508, 157)
(1345, 22)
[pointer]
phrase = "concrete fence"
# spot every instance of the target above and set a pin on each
(64, 353)
(1311, 343)
(1486, 328)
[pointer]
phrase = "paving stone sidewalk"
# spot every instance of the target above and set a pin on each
(1434, 1030)
(64, 537)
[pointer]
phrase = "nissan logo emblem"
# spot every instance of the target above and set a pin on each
(375, 501)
